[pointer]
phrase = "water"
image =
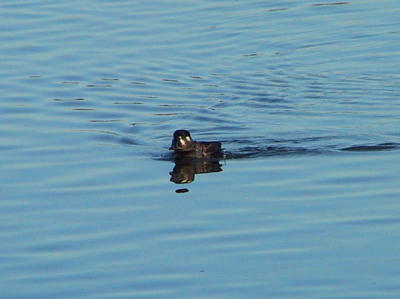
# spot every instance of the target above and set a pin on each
(304, 96)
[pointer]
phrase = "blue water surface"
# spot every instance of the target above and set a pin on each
(303, 95)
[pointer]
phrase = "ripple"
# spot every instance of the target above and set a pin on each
(370, 148)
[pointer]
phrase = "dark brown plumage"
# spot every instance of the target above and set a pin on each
(184, 146)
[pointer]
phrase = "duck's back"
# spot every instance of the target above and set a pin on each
(209, 149)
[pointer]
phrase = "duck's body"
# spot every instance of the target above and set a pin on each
(184, 146)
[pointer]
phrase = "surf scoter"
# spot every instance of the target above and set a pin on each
(184, 146)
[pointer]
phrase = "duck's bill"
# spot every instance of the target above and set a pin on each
(174, 147)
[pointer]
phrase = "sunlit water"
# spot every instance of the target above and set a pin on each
(304, 96)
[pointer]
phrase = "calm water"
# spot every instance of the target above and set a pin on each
(304, 95)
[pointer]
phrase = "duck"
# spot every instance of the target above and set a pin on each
(184, 146)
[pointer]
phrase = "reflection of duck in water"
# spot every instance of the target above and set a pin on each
(184, 146)
(186, 168)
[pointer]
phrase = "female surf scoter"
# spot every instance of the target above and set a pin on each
(184, 146)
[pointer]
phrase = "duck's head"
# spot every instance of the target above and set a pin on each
(182, 142)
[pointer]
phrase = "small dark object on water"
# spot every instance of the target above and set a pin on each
(183, 190)
(184, 146)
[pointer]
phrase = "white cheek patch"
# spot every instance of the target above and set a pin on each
(181, 140)
(187, 138)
